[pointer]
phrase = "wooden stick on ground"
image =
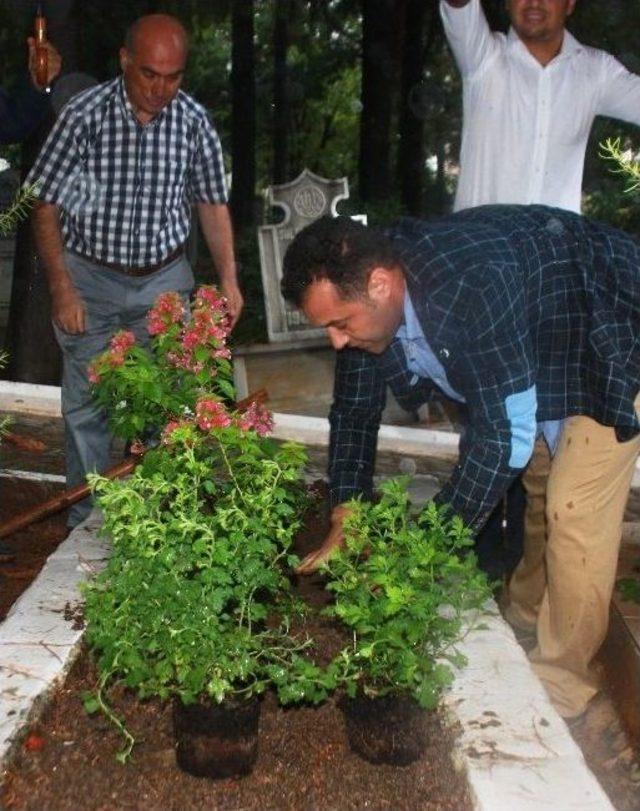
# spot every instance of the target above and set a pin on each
(81, 491)
(25, 443)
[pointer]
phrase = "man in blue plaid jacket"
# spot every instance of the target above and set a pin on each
(530, 317)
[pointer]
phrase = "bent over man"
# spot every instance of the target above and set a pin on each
(530, 317)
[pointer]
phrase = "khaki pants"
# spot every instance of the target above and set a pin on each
(562, 586)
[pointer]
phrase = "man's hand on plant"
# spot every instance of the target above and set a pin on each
(67, 309)
(54, 62)
(333, 541)
(235, 300)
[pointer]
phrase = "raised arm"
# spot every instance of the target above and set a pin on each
(468, 33)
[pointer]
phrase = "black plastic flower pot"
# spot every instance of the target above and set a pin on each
(390, 729)
(217, 740)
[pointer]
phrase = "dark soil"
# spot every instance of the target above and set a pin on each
(67, 760)
(30, 547)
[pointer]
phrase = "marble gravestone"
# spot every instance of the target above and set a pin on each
(303, 200)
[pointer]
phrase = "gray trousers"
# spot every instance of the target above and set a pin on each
(113, 302)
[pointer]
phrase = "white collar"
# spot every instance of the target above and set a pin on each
(570, 47)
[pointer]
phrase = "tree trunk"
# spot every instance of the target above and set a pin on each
(243, 115)
(34, 356)
(378, 74)
(282, 13)
(411, 153)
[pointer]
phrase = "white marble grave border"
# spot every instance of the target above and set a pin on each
(29, 398)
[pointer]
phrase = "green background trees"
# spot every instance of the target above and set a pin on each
(362, 88)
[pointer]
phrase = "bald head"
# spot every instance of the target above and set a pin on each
(156, 27)
(153, 60)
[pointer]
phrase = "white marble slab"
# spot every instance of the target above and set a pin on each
(40, 634)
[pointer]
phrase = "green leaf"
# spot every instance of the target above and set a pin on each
(90, 703)
(629, 588)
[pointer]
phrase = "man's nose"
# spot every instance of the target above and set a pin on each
(338, 339)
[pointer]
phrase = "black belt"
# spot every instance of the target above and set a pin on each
(134, 271)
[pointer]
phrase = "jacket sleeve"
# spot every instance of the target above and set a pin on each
(469, 35)
(358, 399)
(493, 368)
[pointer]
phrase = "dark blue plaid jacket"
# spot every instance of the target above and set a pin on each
(508, 297)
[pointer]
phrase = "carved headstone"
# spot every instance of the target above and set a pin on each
(303, 200)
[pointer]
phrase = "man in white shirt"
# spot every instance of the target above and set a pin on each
(529, 100)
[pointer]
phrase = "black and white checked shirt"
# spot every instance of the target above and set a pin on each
(125, 190)
(508, 298)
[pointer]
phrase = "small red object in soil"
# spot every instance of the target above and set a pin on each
(34, 743)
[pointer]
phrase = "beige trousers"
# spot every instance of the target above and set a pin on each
(562, 586)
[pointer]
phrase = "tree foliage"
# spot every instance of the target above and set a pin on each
(365, 89)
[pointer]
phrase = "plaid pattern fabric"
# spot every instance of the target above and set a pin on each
(125, 190)
(509, 298)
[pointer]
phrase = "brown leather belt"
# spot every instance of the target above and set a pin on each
(134, 271)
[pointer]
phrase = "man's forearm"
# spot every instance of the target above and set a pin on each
(48, 237)
(218, 234)
(67, 308)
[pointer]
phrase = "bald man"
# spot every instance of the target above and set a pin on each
(117, 178)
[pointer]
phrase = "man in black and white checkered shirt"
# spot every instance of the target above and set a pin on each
(116, 180)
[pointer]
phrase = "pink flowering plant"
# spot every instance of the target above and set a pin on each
(195, 600)
(187, 359)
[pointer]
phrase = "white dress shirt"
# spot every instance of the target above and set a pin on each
(525, 126)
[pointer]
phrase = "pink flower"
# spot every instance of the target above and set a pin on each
(167, 436)
(167, 310)
(94, 377)
(208, 297)
(122, 341)
(211, 414)
(257, 418)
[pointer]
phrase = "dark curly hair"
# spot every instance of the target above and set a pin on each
(338, 249)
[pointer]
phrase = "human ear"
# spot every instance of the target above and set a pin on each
(124, 59)
(379, 284)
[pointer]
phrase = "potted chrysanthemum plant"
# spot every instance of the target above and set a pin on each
(194, 604)
(405, 587)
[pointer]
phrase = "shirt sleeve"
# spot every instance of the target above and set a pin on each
(354, 419)
(620, 91)
(469, 35)
(493, 370)
(207, 183)
(60, 160)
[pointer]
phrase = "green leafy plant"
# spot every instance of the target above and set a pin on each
(195, 602)
(18, 210)
(624, 161)
(403, 587)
